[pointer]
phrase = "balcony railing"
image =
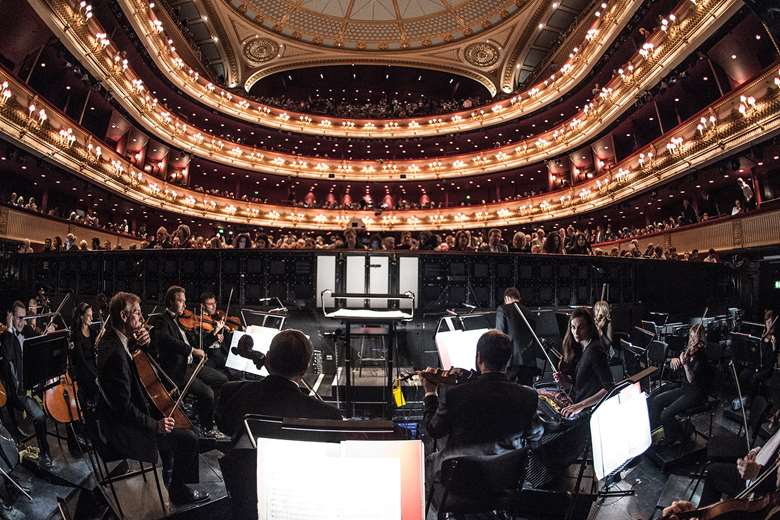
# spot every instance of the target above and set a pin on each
(741, 119)
(644, 70)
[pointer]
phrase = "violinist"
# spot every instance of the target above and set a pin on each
(214, 340)
(674, 398)
(729, 479)
(602, 315)
(583, 371)
(11, 370)
(768, 335)
(488, 414)
(125, 423)
(35, 327)
(752, 377)
(171, 345)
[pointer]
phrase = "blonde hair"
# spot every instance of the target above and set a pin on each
(601, 309)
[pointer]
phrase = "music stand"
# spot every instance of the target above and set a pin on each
(456, 339)
(367, 315)
(748, 350)
(44, 358)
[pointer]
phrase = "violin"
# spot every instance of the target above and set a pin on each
(764, 508)
(188, 320)
(440, 376)
(231, 323)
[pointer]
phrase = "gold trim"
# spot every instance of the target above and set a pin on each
(739, 124)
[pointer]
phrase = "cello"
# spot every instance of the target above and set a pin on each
(149, 373)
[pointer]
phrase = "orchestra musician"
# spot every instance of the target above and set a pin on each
(602, 315)
(509, 321)
(83, 356)
(752, 377)
(11, 370)
(487, 415)
(35, 327)
(729, 479)
(673, 398)
(278, 395)
(126, 426)
(583, 371)
(214, 341)
(175, 354)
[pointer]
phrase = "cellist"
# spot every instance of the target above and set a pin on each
(126, 426)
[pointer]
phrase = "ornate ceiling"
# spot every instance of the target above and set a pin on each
(483, 40)
(378, 24)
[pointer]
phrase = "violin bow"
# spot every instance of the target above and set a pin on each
(200, 329)
(56, 313)
(188, 385)
(742, 407)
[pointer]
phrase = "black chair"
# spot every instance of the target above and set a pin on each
(657, 352)
(479, 483)
(99, 457)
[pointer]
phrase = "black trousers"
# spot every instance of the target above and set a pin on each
(179, 451)
(217, 358)
(204, 388)
(671, 400)
(32, 408)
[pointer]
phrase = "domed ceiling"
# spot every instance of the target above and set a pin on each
(378, 24)
(493, 42)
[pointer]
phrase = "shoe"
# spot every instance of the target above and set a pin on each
(214, 434)
(45, 462)
(182, 495)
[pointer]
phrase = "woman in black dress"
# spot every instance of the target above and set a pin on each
(583, 371)
(83, 358)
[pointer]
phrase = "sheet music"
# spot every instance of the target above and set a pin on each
(288, 487)
(363, 480)
(409, 482)
(370, 489)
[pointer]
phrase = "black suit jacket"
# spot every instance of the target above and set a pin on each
(510, 323)
(485, 411)
(11, 367)
(126, 427)
(274, 396)
(169, 347)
